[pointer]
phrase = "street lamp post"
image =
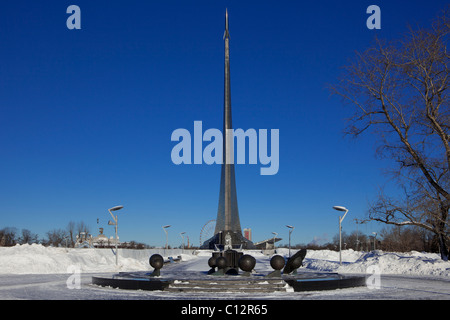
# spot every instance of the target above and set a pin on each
(374, 241)
(274, 236)
(343, 209)
(167, 236)
(291, 228)
(182, 238)
(115, 223)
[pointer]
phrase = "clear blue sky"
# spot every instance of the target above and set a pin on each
(86, 115)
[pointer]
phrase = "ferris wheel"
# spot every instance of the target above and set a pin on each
(207, 231)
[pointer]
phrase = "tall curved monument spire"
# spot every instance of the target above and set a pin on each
(227, 221)
(227, 214)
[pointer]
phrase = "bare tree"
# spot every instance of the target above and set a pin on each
(8, 237)
(405, 239)
(399, 91)
(82, 227)
(71, 233)
(56, 237)
(28, 237)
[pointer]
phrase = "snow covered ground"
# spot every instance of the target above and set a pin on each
(37, 272)
(410, 263)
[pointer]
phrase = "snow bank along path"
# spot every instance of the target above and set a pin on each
(407, 263)
(37, 259)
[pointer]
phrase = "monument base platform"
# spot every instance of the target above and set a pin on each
(201, 282)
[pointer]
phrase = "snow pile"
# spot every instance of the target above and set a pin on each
(409, 263)
(347, 255)
(416, 263)
(37, 259)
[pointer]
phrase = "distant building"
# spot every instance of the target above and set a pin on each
(248, 234)
(100, 241)
(267, 244)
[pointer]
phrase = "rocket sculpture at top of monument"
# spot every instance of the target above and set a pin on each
(227, 222)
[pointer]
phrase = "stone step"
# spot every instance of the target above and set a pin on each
(223, 290)
(241, 286)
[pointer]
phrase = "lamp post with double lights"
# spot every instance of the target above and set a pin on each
(291, 228)
(116, 224)
(167, 236)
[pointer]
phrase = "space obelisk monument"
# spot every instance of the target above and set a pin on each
(228, 226)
